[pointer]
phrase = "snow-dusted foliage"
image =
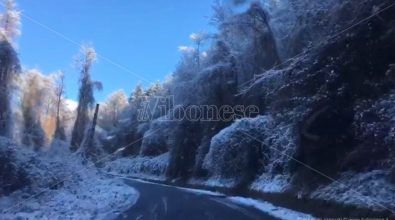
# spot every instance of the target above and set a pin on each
(57, 186)
(8, 70)
(39, 108)
(367, 189)
(374, 124)
(86, 59)
(35, 93)
(140, 167)
(324, 114)
(10, 21)
(251, 147)
(234, 154)
(157, 140)
(111, 110)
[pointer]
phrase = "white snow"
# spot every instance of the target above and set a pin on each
(63, 188)
(277, 139)
(270, 184)
(91, 198)
(201, 192)
(152, 168)
(214, 181)
(275, 211)
(109, 138)
(368, 190)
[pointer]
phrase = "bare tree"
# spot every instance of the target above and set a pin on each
(198, 39)
(86, 99)
(60, 91)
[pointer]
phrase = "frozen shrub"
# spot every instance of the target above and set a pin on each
(237, 151)
(12, 177)
(156, 140)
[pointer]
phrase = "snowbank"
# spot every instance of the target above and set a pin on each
(275, 211)
(62, 188)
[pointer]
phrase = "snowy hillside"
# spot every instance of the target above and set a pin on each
(321, 75)
(288, 101)
(58, 187)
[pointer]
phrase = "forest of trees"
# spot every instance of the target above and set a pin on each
(325, 99)
(34, 110)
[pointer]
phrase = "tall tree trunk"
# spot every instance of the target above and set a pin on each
(9, 67)
(59, 129)
(89, 142)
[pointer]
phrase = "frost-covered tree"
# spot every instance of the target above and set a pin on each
(112, 109)
(221, 14)
(8, 69)
(116, 104)
(60, 132)
(137, 95)
(10, 21)
(154, 90)
(9, 29)
(34, 91)
(86, 99)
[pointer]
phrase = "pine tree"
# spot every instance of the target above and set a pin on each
(137, 96)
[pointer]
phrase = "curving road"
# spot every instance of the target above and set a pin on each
(161, 202)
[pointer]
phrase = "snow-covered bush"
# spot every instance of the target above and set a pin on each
(140, 167)
(237, 151)
(261, 146)
(12, 176)
(156, 140)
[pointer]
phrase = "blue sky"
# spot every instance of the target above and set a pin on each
(141, 36)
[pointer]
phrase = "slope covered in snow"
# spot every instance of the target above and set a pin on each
(322, 75)
(59, 186)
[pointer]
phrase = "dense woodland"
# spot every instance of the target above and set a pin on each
(322, 74)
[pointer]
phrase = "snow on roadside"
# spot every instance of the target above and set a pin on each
(366, 190)
(97, 198)
(200, 191)
(215, 181)
(275, 211)
(271, 183)
(61, 187)
(152, 168)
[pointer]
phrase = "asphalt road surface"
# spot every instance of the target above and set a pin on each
(161, 202)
